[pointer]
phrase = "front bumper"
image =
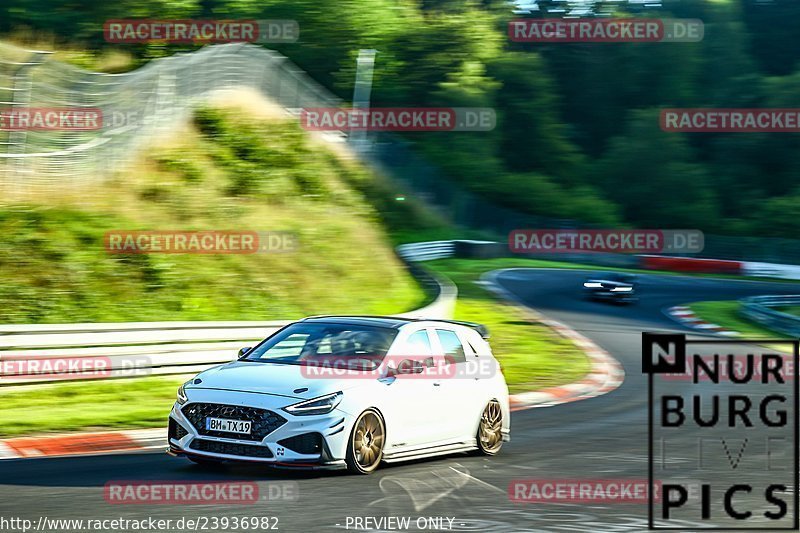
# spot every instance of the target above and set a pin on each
(328, 434)
(319, 465)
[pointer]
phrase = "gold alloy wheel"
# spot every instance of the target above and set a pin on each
(367, 442)
(490, 436)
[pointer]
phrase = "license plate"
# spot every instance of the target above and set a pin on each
(228, 426)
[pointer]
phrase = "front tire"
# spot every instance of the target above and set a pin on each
(490, 429)
(365, 447)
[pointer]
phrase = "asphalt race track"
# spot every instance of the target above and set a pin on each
(600, 438)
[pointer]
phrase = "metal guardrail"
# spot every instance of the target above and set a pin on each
(137, 349)
(761, 309)
(27, 356)
(444, 291)
(427, 251)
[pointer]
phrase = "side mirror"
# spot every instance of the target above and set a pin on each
(244, 351)
(410, 366)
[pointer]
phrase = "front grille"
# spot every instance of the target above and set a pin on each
(227, 448)
(176, 431)
(264, 421)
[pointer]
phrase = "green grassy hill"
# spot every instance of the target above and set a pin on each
(226, 171)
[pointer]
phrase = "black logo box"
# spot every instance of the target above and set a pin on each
(675, 345)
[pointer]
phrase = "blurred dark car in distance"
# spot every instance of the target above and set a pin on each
(614, 287)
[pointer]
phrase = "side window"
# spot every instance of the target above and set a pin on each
(419, 344)
(453, 350)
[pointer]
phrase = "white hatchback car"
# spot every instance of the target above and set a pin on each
(335, 392)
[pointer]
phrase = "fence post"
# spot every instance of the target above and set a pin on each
(21, 94)
(361, 94)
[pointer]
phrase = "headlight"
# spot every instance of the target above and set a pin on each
(182, 399)
(316, 406)
(593, 285)
(622, 289)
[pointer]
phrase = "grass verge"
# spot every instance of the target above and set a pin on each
(88, 405)
(532, 357)
(726, 314)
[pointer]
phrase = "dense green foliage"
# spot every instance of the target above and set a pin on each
(577, 134)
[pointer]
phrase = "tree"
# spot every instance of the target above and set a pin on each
(780, 216)
(651, 174)
(533, 135)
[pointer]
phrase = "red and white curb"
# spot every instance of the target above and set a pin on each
(606, 373)
(83, 443)
(686, 316)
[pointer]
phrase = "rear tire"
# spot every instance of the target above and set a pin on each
(490, 429)
(365, 447)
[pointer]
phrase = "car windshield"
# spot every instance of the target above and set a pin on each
(303, 343)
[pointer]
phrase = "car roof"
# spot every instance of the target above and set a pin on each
(358, 320)
(391, 322)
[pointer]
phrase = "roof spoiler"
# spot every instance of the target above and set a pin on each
(480, 328)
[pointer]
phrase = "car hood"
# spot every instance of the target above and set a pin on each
(273, 378)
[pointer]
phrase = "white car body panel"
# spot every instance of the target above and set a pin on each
(423, 417)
